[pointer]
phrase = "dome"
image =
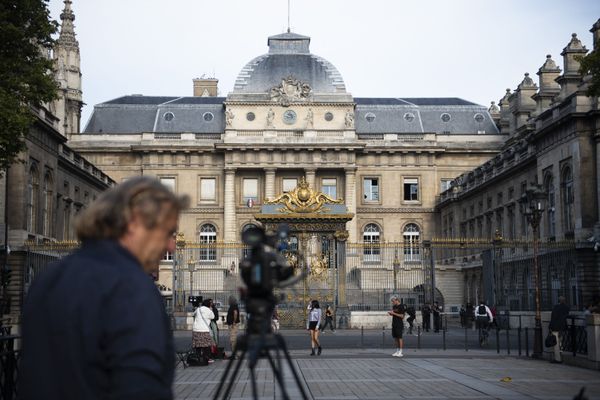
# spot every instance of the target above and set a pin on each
(289, 56)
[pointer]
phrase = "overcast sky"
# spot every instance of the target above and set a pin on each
(382, 48)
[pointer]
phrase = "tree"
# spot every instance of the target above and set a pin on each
(25, 71)
(590, 65)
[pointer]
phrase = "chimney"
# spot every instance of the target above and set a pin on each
(205, 87)
(505, 115)
(570, 78)
(521, 103)
(548, 86)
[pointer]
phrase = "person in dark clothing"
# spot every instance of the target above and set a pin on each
(94, 324)
(426, 312)
(558, 324)
(233, 322)
(470, 317)
(397, 314)
(463, 316)
(437, 319)
(412, 315)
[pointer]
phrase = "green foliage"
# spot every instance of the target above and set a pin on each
(590, 65)
(25, 71)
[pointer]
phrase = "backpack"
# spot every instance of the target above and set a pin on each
(481, 310)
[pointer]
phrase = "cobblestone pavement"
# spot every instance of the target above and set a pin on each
(420, 374)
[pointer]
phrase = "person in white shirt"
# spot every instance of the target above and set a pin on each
(312, 324)
(483, 316)
(201, 338)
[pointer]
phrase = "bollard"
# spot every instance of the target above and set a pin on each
(466, 342)
(497, 340)
(526, 341)
(362, 336)
(418, 337)
(507, 341)
(383, 337)
(519, 339)
(444, 338)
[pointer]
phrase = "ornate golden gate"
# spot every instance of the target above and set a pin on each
(316, 249)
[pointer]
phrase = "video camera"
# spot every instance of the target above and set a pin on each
(195, 301)
(262, 271)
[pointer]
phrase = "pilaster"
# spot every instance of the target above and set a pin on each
(310, 174)
(350, 198)
(270, 183)
(230, 234)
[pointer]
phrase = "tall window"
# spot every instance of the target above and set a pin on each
(412, 251)
(371, 189)
(168, 182)
(567, 199)
(329, 187)
(208, 236)
(551, 212)
(289, 184)
(47, 205)
(371, 239)
(411, 189)
(445, 184)
(250, 190)
(208, 189)
(33, 185)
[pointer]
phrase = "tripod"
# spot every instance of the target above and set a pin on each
(257, 346)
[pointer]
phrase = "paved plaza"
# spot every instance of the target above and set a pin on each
(421, 374)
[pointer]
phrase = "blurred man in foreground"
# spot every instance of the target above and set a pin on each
(94, 325)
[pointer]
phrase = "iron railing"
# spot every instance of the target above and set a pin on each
(9, 367)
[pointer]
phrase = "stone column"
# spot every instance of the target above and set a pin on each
(350, 198)
(230, 232)
(310, 177)
(270, 183)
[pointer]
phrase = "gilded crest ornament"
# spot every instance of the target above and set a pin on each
(303, 200)
(290, 90)
(318, 267)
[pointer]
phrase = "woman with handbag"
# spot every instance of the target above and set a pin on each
(312, 325)
(201, 337)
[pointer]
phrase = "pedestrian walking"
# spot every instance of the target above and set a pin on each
(214, 327)
(426, 313)
(558, 325)
(94, 324)
(202, 340)
(412, 315)
(436, 309)
(314, 320)
(233, 322)
(328, 319)
(397, 314)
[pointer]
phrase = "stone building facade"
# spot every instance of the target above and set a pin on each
(552, 141)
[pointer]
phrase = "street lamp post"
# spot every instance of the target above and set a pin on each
(396, 265)
(532, 206)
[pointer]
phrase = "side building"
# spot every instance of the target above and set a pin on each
(550, 157)
(41, 195)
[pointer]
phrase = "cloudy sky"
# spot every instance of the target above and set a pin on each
(383, 48)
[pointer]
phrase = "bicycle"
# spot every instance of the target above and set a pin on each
(484, 332)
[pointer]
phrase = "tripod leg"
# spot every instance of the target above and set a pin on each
(233, 376)
(277, 372)
(283, 347)
(253, 382)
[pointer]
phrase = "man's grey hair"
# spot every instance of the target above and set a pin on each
(109, 215)
(394, 298)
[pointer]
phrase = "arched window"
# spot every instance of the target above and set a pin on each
(371, 239)
(412, 251)
(551, 212)
(33, 186)
(208, 238)
(567, 199)
(47, 205)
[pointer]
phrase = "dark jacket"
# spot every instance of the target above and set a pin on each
(558, 318)
(94, 327)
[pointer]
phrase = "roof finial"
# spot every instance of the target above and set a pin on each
(67, 32)
(288, 16)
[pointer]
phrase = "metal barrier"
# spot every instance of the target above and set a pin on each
(9, 367)
(574, 339)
